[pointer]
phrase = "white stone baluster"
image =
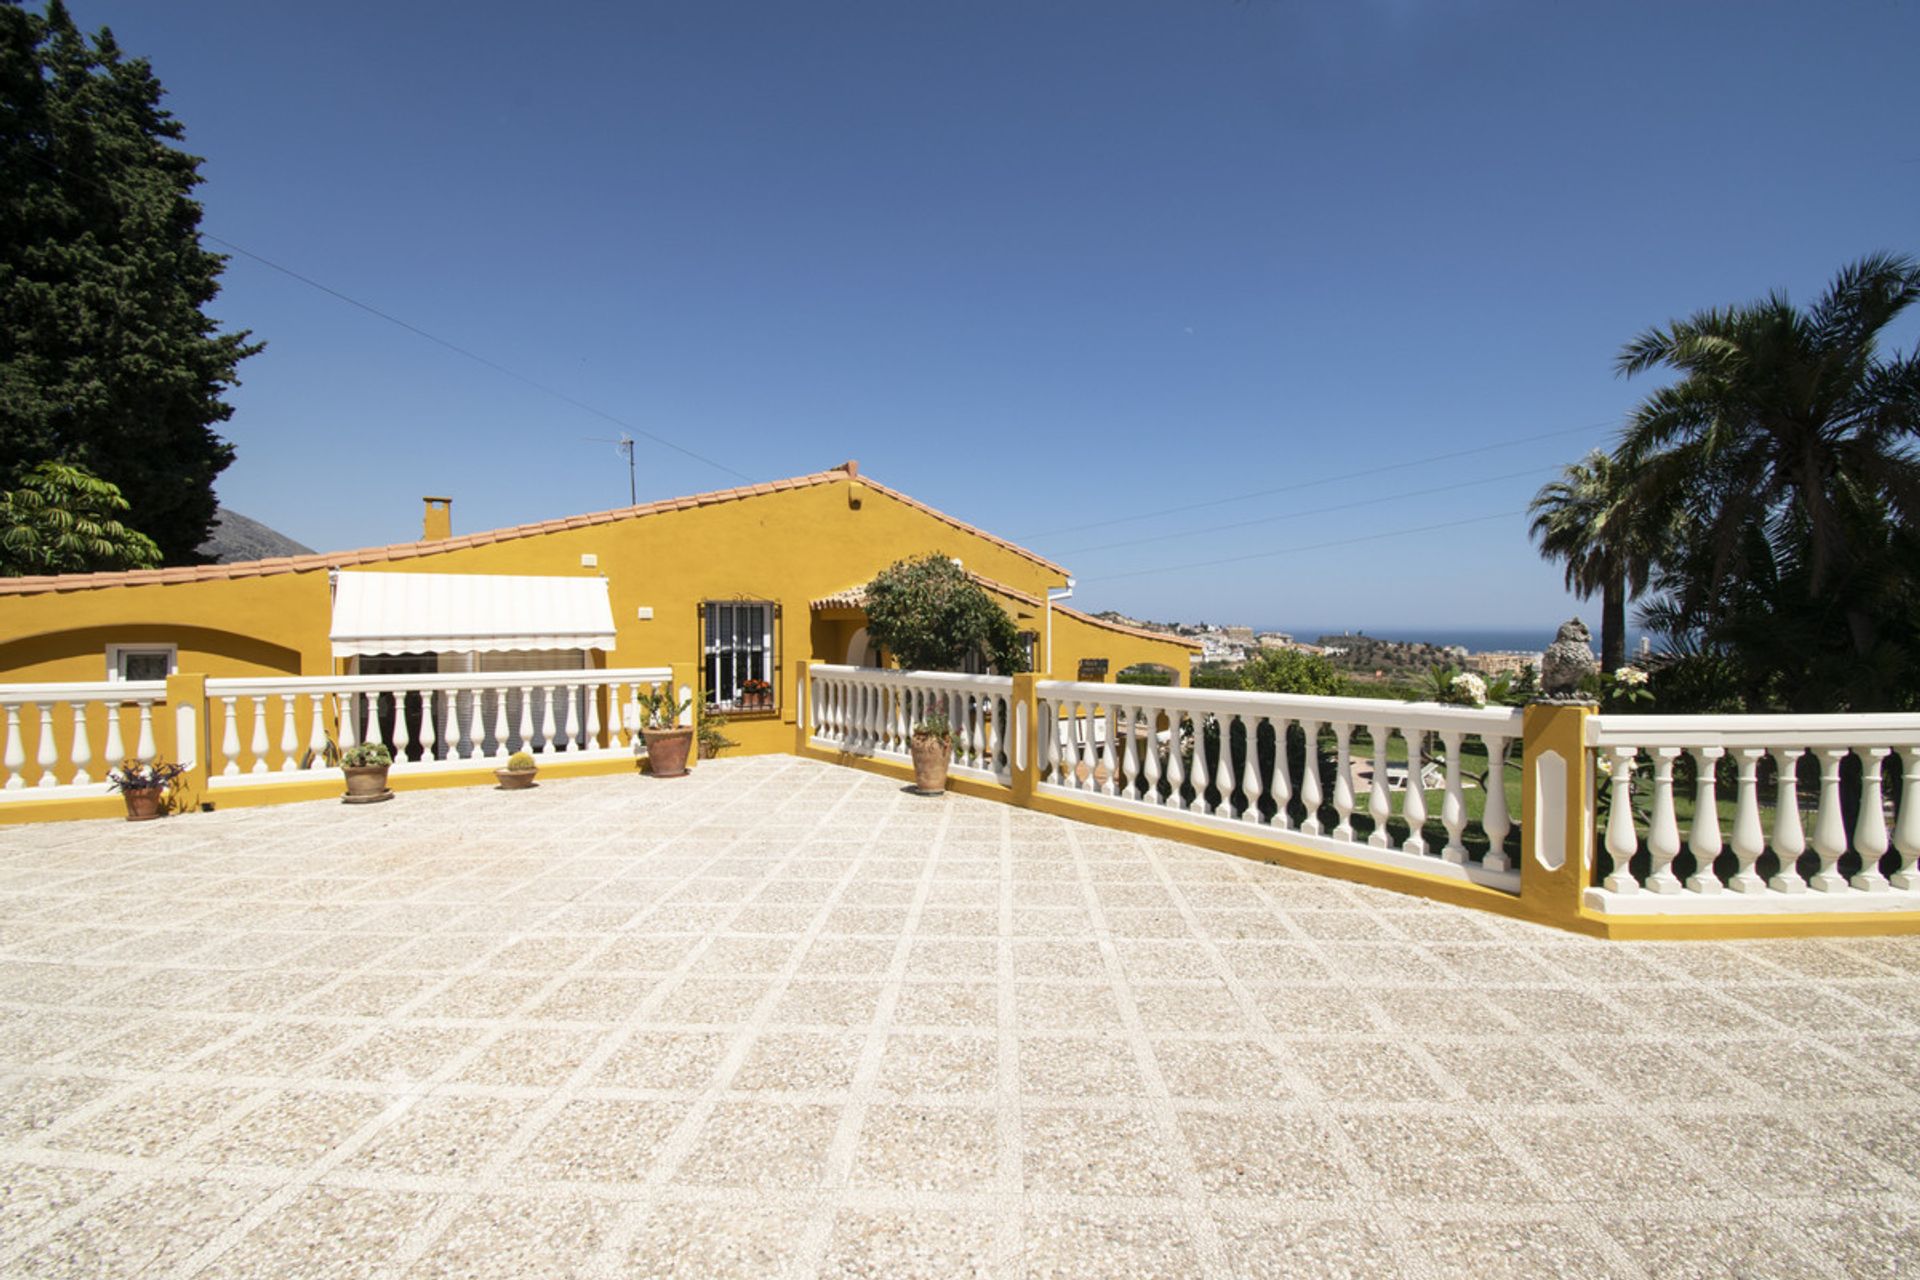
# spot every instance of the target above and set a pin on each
(1130, 753)
(1906, 827)
(1176, 765)
(1663, 832)
(1252, 787)
(429, 726)
(403, 735)
(146, 751)
(1829, 828)
(1310, 774)
(1789, 842)
(1379, 803)
(16, 757)
(1749, 837)
(257, 740)
(1110, 752)
(1342, 778)
(48, 754)
(316, 731)
(82, 751)
(592, 695)
(346, 706)
(1453, 806)
(1495, 819)
(116, 752)
(501, 732)
(289, 732)
(1201, 776)
(1226, 775)
(527, 742)
(1870, 828)
(1150, 763)
(549, 726)
(1413, 801)
(1623, 841)
(1703, 839)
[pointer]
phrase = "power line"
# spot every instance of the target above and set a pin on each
(1310, 484)
(1313, 511)
(457, 349)
(1315, 546)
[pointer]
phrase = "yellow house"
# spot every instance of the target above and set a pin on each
(726, 589)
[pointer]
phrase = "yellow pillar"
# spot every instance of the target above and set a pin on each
(181, 737)
(1556, 812)
(802, 690)
(1025, 713)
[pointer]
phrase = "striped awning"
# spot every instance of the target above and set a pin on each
(376, 613)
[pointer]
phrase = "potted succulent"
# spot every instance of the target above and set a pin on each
(932, 748)
(366, 768)
(756, 695)
(668, 741)
(144, 787)
(519, 773)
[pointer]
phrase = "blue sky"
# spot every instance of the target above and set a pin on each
(1082, 273)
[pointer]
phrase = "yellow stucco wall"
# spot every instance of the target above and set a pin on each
(788, 546)
(1077, 636)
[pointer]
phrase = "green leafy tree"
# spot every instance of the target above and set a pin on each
(931, 616)
(1593, 520)
(1788, 445)
(107, 356)
(1291, 671)
(64, 519)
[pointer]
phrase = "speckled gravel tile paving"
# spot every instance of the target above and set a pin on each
(785, 1018)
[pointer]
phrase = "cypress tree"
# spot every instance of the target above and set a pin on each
(108, 359)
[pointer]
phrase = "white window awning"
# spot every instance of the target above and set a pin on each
(376, 613)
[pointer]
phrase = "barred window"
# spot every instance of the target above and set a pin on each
(738, 639)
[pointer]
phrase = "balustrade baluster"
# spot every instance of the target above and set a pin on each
(1870, 828)
(1494, 818)
(1829, 828)
(1749, 838)
(1663, 833)
(230, 736)
(316, 733)
(16, 757)
(976, 729)
(1789, 842)
(403, 735)
(1379, 802)
(501, 734)
(81, 753)
(257, 741)
(591, 693)
(1176, 766)
(147, 750)
(1130, 755)
(1413, 801)
(1110, 753)
(527, 743)
(1310, 797)
(1200, 776)
(1251, 788)
(1906, 827)
(1622, 840)
(116, 752)
(1225, 774)
(347, 706)
(48, 754)
(549, 724)
(429, 726)
(1453, 807)
(1150, 748)
(1704, 836)
(289, 731)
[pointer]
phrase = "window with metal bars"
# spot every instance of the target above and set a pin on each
(737, 639)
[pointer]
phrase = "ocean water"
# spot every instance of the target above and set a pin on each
(1473, 639)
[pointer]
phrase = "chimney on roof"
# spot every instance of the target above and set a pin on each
(851, 467)
(438, 523)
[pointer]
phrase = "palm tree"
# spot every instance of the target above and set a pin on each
(1788, 423)
(1590, 518)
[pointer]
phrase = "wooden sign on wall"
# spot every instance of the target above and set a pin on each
(1093, 669)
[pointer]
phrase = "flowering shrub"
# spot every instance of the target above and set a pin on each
(1465, 690)
(134, 776)
(1626, 688)
(1631, 677)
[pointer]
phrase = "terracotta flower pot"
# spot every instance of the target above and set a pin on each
(366, 783)
(515, 779)
(143, 804)
(930, 757)
(667, 751)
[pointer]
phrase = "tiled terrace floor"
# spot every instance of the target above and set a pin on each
(783, 1018)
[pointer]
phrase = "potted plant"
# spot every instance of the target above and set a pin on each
(144, 787)
(710, 735)
(668, 741)
(366, 768)
(932, 748)
(519, 773)
(756, 695)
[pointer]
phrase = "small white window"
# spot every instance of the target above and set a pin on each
(141, 662)
(738, 639)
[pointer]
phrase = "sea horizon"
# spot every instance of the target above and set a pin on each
(1472, 639)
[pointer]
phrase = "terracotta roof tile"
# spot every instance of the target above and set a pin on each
(411, 550)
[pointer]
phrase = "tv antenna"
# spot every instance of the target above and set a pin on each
(624, 445)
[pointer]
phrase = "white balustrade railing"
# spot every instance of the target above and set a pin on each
(1267, 764)
(867, 711)
(62, 739)
(279, 727)
(1786, 845)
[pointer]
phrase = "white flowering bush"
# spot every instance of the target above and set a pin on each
(1630, 677)
(1627, 689)
(1465, 690)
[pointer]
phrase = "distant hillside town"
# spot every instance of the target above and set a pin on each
(1359, 655)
